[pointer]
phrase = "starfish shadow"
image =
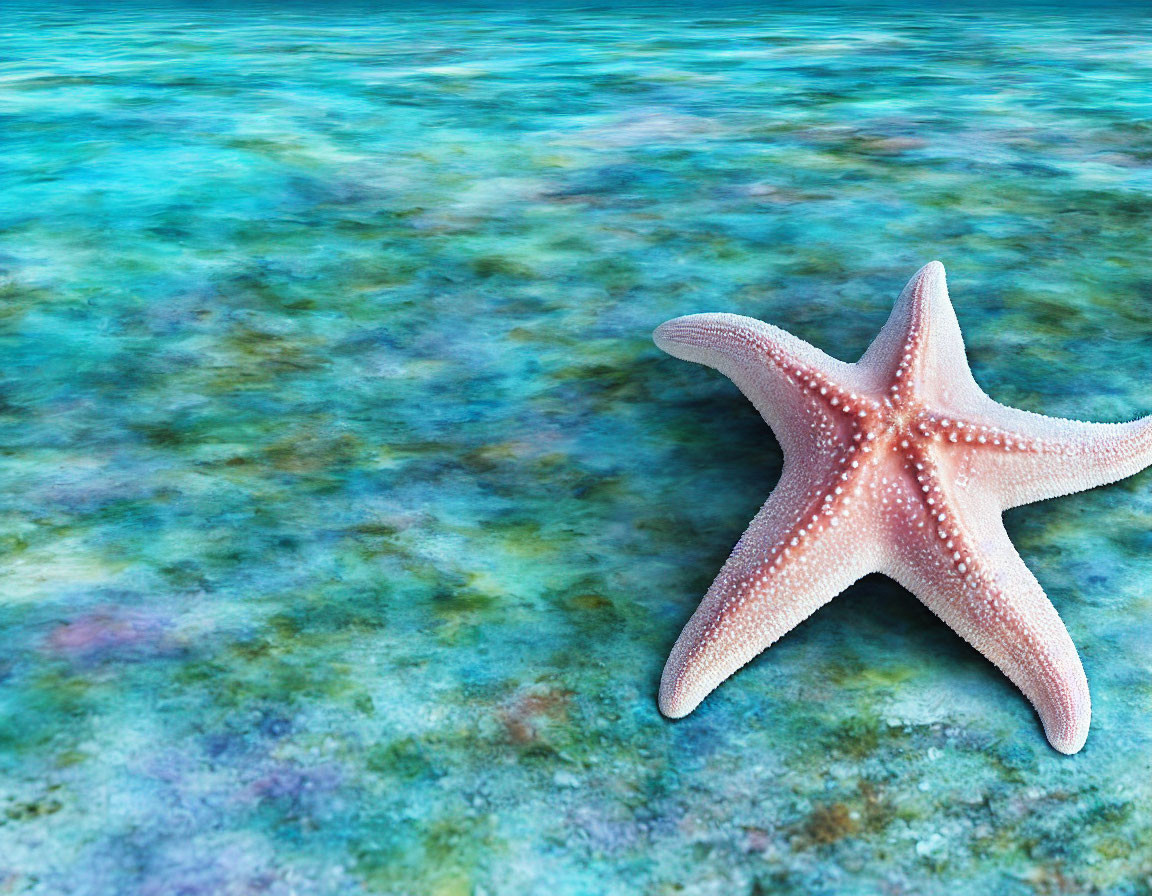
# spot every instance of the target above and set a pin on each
(877, 634)
(874, 632)
(888, 619)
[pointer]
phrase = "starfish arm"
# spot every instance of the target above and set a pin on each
(981, 588)
(1031, 457)
(920, 349)
(797, 388)
(801, 550)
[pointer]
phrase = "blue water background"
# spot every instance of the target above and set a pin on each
(347, 512)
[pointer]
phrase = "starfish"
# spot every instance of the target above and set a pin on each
(898, 464)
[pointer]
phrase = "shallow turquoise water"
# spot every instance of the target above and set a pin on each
(348, 512)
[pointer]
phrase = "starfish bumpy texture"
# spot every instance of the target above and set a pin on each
(897, 464)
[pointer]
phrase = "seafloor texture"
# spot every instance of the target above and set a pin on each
(349, 513)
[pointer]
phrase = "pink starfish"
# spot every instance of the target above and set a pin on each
(897, 464)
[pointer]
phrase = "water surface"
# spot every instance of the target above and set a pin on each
(348, 513)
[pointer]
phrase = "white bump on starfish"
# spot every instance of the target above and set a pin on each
(946, 455)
